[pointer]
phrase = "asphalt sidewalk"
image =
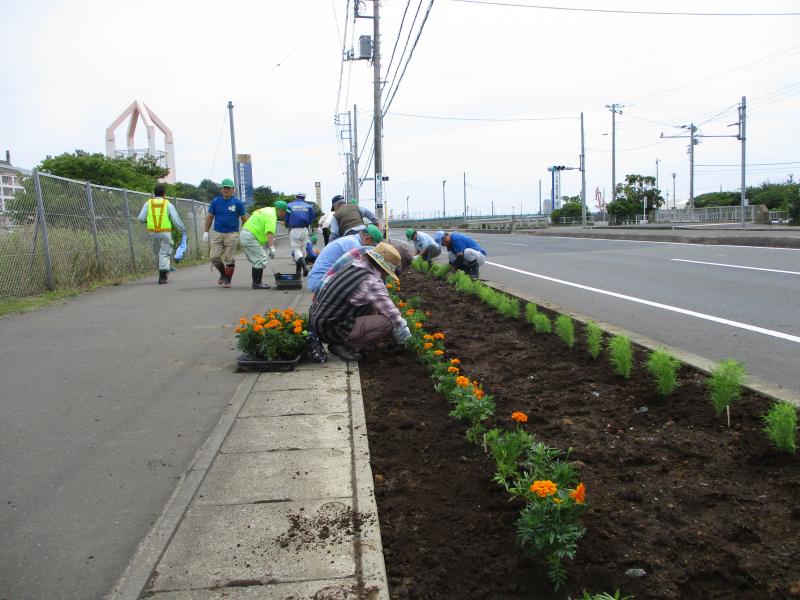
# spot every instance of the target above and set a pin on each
(279, 503)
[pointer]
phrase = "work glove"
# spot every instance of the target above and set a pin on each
(401, 334)
(205, 236)
(272, 251)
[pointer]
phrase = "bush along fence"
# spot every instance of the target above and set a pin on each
(543, 477)
(59, 233)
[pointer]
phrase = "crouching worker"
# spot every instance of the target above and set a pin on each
(353, 311)
(424, 244)
(311, 254)
(465, 253)
(256, 232)
(161, 216)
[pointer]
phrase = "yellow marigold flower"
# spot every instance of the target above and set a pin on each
(452, 369)
(427, 336)
(438, 352)
(579, 494)
(438, 335)
(519, 417)
(556, 500)
(544, 488)
(462, 381)
(455, 361)
(427, 345)
(410, 312)
(418, 325)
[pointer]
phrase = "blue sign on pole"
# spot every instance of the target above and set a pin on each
(245, 166)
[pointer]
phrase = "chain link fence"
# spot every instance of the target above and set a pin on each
(59, 233)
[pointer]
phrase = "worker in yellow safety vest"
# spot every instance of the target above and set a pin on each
(258, 231)
(161, 216)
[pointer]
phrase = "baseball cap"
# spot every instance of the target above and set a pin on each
(437, 237)
(335, 200)
(227, 182)
(281, 205)
(374, 233)
(409, 233)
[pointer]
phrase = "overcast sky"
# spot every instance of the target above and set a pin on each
(70, 68)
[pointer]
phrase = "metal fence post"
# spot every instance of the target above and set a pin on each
(196, 241)
(128, 223)
(94, 222)
(40, 209)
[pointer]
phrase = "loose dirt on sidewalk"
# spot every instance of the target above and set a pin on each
(706, 511)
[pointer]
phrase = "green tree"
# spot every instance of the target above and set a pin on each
(632, 198)
(212, 189)
(97, 168)
(571, 207)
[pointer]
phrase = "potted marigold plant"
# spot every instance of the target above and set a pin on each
(275, 341)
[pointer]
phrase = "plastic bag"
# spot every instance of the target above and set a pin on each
(316, 351)
(181, 250)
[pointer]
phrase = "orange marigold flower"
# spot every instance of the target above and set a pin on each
(452, 369)
(479, 393)
(418, 325)
(389, 286)
(427, 336)
(242, 321)
(258, 327)
(438, 352)
(427, 345)
(519, 417)
(579, 494)
(273, 324)
(297, 330)
(462, 381)
(401, 304)
(455, 361)
(410, 312)
(544, 488)
(438, 335)
(297, 322)
(288, 311)
(255, 317)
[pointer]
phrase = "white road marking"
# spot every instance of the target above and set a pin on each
(683, 311)
(700, 262)
(487, 241)
(603, 239)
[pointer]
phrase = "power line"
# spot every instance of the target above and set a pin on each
(400, 31)
(344, 46)
(509, 120)
(219, 139)
(628, 12)
(408, 60)
(403, 53)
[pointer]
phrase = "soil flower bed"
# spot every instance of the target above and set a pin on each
(680, 505)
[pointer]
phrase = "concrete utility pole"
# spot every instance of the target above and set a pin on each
(233, 150)
(408, 214)
(444, 207)
(692, 142)
(354, 149)
(465, 197)
(673, 191)
(614, 110)
(742, 137)
(657, 161)
(378, 118)
(583, 176)
(349, 179)
(540, 197)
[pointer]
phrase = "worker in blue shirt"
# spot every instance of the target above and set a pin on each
(225, 212)
(424, 244)
(311, 254)
(299, 218)
(370, 236)
(469, 256)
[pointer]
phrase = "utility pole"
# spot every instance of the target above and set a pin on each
(378, 118)
(465, 197)
(354, 147)
(493, 206)
(692, 142)
(742, 138)
(443, 198)
(348, 181)
(233, 150)
(408, 214)
(614, 110)
(673, 191)
(540, 197)
(657, 161)
(583, 176)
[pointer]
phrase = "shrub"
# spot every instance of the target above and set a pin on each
(565, 329)
(664, 368)
(780, 425)
(621, 355)
(541, 323)
(594, 339)
(531, 310)
(725, 384)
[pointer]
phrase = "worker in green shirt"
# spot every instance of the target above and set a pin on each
(256, 233)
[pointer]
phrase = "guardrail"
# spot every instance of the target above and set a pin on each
(713, 214)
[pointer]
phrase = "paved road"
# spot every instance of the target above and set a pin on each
(748, 313)
(105, 400)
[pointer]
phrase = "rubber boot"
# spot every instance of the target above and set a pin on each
(472, 269)
(162, 277)
(258, 275)
(297, 269)
(221, 268)
(227, 276)
(302, 263)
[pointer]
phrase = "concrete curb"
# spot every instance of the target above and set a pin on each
(729, 240)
